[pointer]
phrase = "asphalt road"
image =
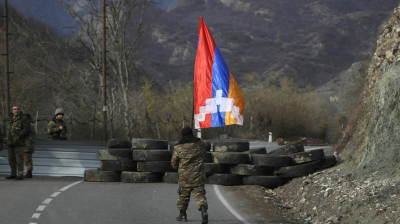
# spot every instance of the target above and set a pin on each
(50, 200)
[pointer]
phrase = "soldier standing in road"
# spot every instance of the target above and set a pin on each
(188, 159)
(29, 148)
(16, 131)
(57, 128)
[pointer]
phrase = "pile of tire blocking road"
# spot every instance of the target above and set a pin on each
(228, 163)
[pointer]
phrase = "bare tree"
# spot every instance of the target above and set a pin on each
(126, 25)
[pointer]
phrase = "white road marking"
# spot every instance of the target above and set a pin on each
(47, 201)
(66, 187)
(55, 194)
(228, 206)
(41, 208)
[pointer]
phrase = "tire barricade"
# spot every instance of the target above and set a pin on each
(227, 163)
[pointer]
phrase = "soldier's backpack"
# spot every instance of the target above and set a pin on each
(30, 140)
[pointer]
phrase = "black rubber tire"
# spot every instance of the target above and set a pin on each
(170, 178)
(308, 156)
(140, 143)
(231, 146)
(329, 161)
(251, 170)
(288, 149)
(224, 179)
(300, 170)
(118, 165)
(115, 143)
(230, 157)
(114, 154)
(215, 168)
(208, 158)
(265, 181)
(141, 177)
(151, 155)
(262, 150)
(271, 160)
(155, 166)
(102, 176)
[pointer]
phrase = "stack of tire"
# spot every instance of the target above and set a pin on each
(228, 163)
(257, 167)
(224, 157)
(153, 160)
(303, 162)
(117, 158)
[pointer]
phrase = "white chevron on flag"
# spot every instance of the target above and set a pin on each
(226, 105)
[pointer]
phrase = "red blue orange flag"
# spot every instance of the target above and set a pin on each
(218, 100)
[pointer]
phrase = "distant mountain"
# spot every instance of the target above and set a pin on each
(311, 41)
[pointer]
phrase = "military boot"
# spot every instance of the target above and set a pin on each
(19, 178)
(28, 174)
(182, 216)
(11, 177)
(204, 215)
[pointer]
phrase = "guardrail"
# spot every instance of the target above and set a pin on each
(59, 158)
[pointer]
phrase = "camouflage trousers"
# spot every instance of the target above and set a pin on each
(28, 161)
(199, 195)
(16, 159)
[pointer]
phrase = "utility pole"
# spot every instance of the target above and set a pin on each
(104, 73)
(6, 73)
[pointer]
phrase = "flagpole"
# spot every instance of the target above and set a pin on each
(192, 116)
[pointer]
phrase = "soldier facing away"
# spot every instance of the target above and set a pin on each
(188, 158)
(16, 131)
(57, 128)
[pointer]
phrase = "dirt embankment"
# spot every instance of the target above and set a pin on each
(336, 195)
(365, 186)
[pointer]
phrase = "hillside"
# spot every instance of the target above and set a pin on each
(364, 186)
(370, 139)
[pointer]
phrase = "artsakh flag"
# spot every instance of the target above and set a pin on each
(218, 100)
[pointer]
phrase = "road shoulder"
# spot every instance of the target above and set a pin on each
(258, 204)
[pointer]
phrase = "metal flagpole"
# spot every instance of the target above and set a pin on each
(104, 74)
(7, 72)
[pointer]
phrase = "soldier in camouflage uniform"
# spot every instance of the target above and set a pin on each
(188, 159)
(57, 128)
(29, 148)
(16, 131)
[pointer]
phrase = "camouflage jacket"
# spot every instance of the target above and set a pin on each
(188, 158)
(17, 129)
(54, 127)
(30, 140)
